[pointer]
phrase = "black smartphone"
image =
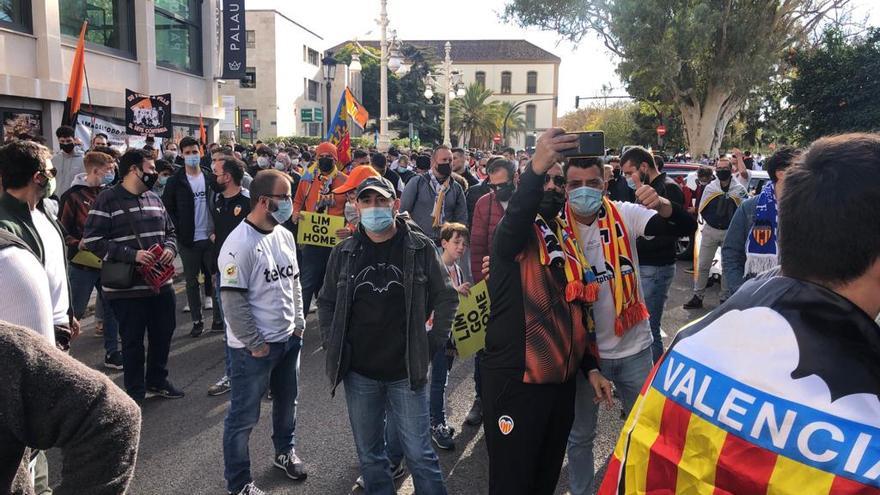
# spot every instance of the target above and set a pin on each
(590, 143)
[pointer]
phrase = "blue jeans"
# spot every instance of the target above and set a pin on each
(369, 401)
(656, 281)
(314, 264)
(628, 375)
(248, 378)
(440, 365)
(82, 281)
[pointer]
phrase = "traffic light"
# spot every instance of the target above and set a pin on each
(577, 102)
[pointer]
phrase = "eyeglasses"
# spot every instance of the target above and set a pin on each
(49, 173)
(495, 187)
(558, 180)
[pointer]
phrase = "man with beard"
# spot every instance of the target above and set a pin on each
(435, 198)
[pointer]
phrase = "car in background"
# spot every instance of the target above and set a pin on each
(680, 172)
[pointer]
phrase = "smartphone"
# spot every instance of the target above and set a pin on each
(590, 143)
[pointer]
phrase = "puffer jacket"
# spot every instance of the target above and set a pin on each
(487, 214)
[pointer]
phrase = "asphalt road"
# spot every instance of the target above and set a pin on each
(181, 440)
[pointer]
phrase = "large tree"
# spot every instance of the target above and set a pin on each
(703, 56)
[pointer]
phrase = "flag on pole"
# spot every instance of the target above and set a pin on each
(338, 133)
(77, 77)
(203, 136)
(355, 110)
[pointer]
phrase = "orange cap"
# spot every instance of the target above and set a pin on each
(357, 175)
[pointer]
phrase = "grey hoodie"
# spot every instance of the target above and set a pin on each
(68, 167)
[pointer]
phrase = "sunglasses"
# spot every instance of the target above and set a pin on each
(558, 180)
(49, 173)
(495, 187)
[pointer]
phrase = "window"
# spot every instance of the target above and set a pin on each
(111, 23)
(505, 83)
(313, 90)
(531, 82)
(179, 34)
(530, 116)
(481, 78)
(313, 57)
(251, 38)
(250, 78)
(314, 129)
(16, 14)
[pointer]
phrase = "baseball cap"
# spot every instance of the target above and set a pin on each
(378, 184)
(357, 175)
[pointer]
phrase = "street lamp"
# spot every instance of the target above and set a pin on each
(355, 65)
(452, 86)
(329, 64)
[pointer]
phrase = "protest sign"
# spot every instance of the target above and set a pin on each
(148, 115)
(318, 229)
(469, 325)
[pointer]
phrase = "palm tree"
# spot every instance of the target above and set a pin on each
(474, 118)
(516, 123)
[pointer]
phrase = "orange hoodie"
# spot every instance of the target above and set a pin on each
(309, 189)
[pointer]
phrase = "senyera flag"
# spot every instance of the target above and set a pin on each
(77, 77)
(355, 110)
(777, 392)
(338, 133)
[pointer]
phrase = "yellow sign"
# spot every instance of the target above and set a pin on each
(469, 325)
(319, 229)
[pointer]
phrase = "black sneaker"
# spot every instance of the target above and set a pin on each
(696, 302)
(249, 489)
(397, 472)
(475, 415)
(167, 391)
(442, 436)
(292, 466)
(198, 329)
(113, 360)
(217, 326)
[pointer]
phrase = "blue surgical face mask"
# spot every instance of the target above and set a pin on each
(284, 208)
(585, 200)
(630, 182)
(108, 179)
(377, 219)
(192, 160)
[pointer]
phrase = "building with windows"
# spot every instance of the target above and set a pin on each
(283, 93)
(148, 46)
(516, 71)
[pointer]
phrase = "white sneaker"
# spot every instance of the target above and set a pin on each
(186, 309)
(209, 303)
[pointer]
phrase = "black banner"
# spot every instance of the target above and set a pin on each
(148, 115)
(234, 40)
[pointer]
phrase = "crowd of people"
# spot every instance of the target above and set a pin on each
(578, 254)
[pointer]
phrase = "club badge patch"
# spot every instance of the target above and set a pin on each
(505, 424)
(236, 210)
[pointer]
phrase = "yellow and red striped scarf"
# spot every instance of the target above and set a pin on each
(562, 242)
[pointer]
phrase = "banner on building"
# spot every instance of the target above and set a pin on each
(318, 229)
(148, 115)
(234, 40)
(469, 325)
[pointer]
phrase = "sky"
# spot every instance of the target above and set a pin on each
(585, 68)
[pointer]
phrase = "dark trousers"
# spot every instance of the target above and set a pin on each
(314, 264)
(153, 317)
(196, 259)
(527, 459)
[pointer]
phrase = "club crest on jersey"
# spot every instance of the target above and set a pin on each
(505, 424)
(236, 210)
(762, 234)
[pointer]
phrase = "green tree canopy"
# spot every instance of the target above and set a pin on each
(703, 56)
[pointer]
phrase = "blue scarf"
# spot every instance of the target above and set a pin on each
(761, 245)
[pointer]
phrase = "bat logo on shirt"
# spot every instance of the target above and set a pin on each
(379, 277)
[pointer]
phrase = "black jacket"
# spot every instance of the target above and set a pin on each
(178, 200)
(620, 191)
(660, 250)
(473, 195)
(427, 289)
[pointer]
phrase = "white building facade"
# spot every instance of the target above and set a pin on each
(283, 93)
(148, 46)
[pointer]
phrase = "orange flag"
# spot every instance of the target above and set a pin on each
(77, 76)
(355, 110)
(203, 136)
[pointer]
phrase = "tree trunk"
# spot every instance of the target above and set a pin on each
(705, 123)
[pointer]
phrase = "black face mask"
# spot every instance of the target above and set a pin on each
(444, 169)
(325, 164)
(218, 187)
(723, 175)
(551, 204)
(617, 173)
(149, 180)
(67, 147)
(504, 192)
